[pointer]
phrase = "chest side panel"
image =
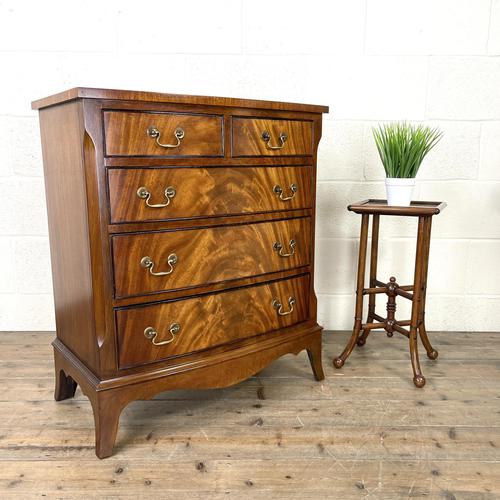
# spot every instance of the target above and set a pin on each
(62, 137)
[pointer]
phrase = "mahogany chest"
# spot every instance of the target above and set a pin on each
(182, 241)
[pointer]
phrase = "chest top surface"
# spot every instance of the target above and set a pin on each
(158, 97)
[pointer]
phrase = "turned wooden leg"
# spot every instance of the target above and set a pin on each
(65, 386)
(431, 352)
(107, 410)
(363, 239)
(314, 353)
(418, 378)
(373, 276)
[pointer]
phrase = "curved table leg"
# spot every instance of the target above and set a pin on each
(364, 334)
(416, 308)
(418, 378)
(339, 361)
(431, 352)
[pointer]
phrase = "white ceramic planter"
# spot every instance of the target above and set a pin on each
(399, 191)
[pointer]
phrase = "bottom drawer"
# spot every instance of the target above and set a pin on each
(155, 332)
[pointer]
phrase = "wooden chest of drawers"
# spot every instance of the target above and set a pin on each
(182, 241)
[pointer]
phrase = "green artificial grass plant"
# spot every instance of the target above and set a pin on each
(402, 147)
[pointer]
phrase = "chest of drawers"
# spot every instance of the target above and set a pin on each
(182, 241)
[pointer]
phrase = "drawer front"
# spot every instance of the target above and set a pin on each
(206, 256)
(266, 137)
(147, 194)
(194, 324)
(163, 134)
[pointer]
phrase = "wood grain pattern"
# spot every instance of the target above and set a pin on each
(225, 242)
(157, 97)
(365, 432)
(204, 258)
(208, 321)
(126, 134)
(247, 137)
(68, 229)
(206, 191)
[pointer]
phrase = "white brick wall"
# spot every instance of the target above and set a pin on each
(435, 61)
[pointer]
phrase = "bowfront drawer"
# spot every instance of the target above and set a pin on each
(162, 134)
(269, 137)
(147, 194)
(169, 260)
(152, 333)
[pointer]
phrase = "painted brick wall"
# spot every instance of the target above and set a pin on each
(436, 61)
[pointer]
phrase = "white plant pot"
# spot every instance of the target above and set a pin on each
(399, 191)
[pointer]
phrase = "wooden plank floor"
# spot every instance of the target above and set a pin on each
(363, 432)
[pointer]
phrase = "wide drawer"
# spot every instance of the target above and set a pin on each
(147, 194)
(168, 260)
(269, 137)
(156, 332)
(162, 134)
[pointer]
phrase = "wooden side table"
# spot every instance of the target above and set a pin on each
(424, 210)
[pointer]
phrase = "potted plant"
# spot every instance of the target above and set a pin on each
(402, 147)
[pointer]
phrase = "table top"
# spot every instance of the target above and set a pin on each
(416, 209)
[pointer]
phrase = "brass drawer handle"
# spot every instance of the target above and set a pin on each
(278, 190)
(147, 263)
(279, 248)
(266, 137)
(151, 334)
(144, 194)
(155, 134)
(279, 306)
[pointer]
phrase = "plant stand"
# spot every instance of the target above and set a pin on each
(424, 210)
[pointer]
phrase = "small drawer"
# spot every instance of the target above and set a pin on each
(163, 134)
(156, 332)
(269, 137)
(148, 194)
(169, 260)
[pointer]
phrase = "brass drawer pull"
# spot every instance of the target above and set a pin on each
(147, 263)
(155, 134)
(151, 334)
(144, 194)
(279, 248)
(278, 190)
(266, 137)
(279, 306)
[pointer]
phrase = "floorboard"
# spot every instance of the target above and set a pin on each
(363, 432)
